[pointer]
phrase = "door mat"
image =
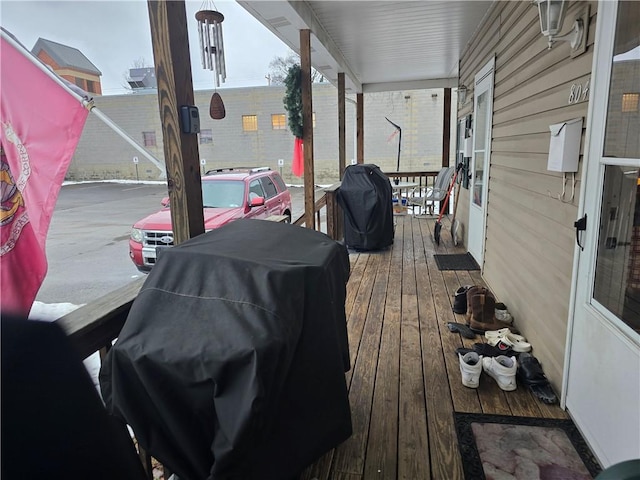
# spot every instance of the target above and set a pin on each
(457, 261)
(497, 446)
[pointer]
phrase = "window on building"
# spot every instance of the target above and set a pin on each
(206, 136)
(91, 86)
(630, 102)
(279, 121)
(250, 123)
(149, 139)
(80, 82)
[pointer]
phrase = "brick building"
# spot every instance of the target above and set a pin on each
(70, 63)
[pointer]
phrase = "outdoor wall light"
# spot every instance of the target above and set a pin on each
(462, 94)
(551, 14)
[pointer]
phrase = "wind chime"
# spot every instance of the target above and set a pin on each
(212, 53)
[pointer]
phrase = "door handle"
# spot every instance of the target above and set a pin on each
(580, 226)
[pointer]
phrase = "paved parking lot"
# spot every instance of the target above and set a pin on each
(87, 244)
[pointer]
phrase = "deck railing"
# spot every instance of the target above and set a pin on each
(424, 179)
(413, 197)
(326, 208)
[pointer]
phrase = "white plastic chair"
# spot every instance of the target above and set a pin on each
(434, 194)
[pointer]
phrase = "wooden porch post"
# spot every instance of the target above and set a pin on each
(446, 128)
(173, 71)
(360, 126)
(342, 152)
(307, 132)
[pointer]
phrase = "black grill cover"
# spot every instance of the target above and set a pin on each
(365, 196)
(231, 362)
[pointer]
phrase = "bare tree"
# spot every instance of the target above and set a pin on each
(279, 67)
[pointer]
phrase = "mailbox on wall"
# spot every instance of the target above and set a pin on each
(564, 146)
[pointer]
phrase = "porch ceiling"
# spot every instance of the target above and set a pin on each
(379, 45)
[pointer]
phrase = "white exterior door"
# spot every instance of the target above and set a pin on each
(478, 182)
(602, 386)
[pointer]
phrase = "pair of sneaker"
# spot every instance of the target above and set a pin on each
(501, 368)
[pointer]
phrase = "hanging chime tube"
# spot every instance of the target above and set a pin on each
(223, 68)
(212, 43)
(201, 45)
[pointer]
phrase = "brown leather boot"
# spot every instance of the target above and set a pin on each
(473, 291)
(483, 313)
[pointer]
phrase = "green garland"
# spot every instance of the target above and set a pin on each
(293, 99)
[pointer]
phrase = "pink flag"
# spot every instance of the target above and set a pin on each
(40, 126)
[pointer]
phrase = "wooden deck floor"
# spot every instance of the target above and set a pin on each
(404, 384)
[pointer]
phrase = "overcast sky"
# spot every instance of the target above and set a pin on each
(115, 34)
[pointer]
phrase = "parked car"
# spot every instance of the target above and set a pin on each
(227, 194)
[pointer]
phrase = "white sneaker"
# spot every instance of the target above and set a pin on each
(470, 369)
(503, 370)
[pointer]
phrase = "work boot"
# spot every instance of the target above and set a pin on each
(473, 291)
(483, 313)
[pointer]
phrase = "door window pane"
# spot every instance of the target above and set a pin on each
(617, 278)
(623, 119)
(478, 179)
(480, 147)
(481, 122)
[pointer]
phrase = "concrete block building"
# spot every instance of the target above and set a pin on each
(255, 133)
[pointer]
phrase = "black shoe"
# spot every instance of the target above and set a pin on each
(460, 299)
(461, 329)
(530, 374)
(487, 350)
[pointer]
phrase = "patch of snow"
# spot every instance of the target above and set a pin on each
(48, 312)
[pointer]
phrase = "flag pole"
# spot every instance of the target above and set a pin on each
(84, 99)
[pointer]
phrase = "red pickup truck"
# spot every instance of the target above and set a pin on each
(227, 194)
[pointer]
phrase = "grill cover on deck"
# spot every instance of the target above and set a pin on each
(365, 196)
(231, 362)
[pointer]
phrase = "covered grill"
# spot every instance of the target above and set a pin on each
(365, 196)
(231, 362)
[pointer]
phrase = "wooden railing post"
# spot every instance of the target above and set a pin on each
(334, 213)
